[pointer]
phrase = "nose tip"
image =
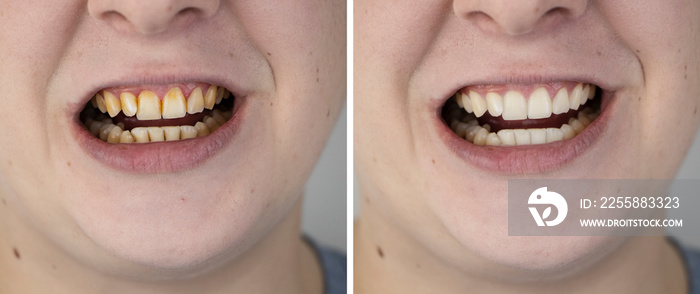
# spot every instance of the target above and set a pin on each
(153, 16)
(518, 17)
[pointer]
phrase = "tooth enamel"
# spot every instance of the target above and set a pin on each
(202, 129)
(538, 136)
(507, 137)
(188, 132)
(575, 97)
(567, 131)
(100, 103)
(458, 99)
(95, 127)
(210, 98)
(93, 101)
(104, 131)
(576, 125)
(583, 118)
(149, 106)
(487, 127)
(514, 106)
(522, 137)
(126, 137)
(466, 102)
(174, 104)
(480, 138)
(560, 103)
(121, 125)
(211, 123)
(493, 140)
(129, 106)
(554, 134)
(591, 93)
(459, 128)
(114, 135)
(171, 133)
(140, 135)
(478, 103)
(219, 95)
(195, 103)
(156, 134)
(218, 117)
(229, 114)
(112, 103)
(585, 93)
(495, 104)
(471, 132)
(539, 105)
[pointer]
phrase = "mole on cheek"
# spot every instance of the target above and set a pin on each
(16, 252)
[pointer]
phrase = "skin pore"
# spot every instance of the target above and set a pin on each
(228, 223)
(434, 217)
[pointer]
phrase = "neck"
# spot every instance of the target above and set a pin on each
(402, 265)
(29, 263)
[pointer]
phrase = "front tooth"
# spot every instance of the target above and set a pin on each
(210, 97)
(114, 134)
(507, 137)
(567, 131)
(112, 103)
(188, 132)
(493, 140)
(560, 104)
(554, 134)
(202, 129)
(129, 106)
(538, 136)
(140, 135)
(480, 138)
(522, 137)
(219, 94)
(101, 103)
(539, 105)
(156, 134)
(575, 97)
(174, 104)
(126, 137)
(585, 93)
(171, 133)
(478, 103)
(211, 123)
(514, 106)
(495, 104)
(195, 104)
(149, 106)
(466, 102)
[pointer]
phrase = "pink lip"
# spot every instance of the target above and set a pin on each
(160, 157)
(527, 159)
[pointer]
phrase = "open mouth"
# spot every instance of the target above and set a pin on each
(502, 115)
(125, 115)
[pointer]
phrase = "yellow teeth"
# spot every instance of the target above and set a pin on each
(148, 106)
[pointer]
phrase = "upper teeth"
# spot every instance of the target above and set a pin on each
(148, 106)
(513, 106)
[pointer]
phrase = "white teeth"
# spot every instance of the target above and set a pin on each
(567, 131)
(538, 136)
(114, 134)
(174, 104)
(576, 124)
(211, 123)
(494, 103)
(202, 129)
(126, 137)
(514, 106)
(507, 137)
(171, 133)
(522, 137)
(575, 97)
(493, 140)
(188, 132)
(100, 103)
(210, 97)
(129, 105)
(554, 134)
(112, 104)
(140, 135)
(149, 106)
(466, 102)
(539, 105)
(156, 134)
(480, 137)
(478, 103)
(195, 103)
(104, 131)
(471, 133)
(585, 93)
(560, 103)
(583, 118)
(219, 94)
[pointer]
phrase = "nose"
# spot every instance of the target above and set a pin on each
(518, 17)
(151, 16)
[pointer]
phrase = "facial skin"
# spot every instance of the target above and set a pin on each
(433, 219)
(74, 220)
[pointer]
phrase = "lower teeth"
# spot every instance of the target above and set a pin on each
(467, 127)
(105, 129)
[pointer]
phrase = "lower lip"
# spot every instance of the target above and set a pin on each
(530, 158)
(161, 157)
